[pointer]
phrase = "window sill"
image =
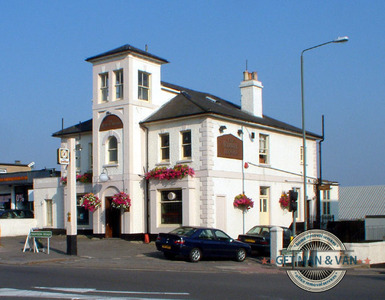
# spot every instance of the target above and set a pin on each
(183, 161)
(163, 163)
(111, 166)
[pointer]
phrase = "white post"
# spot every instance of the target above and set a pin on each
(276, 243)
(71, 213)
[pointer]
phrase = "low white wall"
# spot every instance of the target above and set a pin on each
(375, 251)
(16, 227)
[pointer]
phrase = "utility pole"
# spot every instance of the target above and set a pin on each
(71, 211)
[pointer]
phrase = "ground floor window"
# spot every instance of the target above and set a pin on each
(82, 213)
(5, 201)
(171, 206)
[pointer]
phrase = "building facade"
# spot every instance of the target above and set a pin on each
(143, 127)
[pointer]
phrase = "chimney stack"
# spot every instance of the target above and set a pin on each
(251, 94)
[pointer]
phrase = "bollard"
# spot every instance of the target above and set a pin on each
(276, 243)
(146, 238)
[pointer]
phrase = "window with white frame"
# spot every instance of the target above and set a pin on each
(186, 144)
(165, 147)
(119, 84)
(78, 149)
(171, 206)
(83, 216)
(326, 202)
(90, 156)
(112, 150)
(143, 85)
(301, 155)
(263, 199)
(103, 87)
(263, 149)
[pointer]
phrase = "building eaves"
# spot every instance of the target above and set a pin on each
(126, 49)
(78, 128)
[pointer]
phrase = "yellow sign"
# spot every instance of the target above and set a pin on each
(63, 156)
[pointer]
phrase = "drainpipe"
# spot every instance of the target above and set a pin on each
(146, 187)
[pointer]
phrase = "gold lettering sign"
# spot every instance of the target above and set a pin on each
(229, 147)
(111, 122)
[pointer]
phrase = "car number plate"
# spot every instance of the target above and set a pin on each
(249, 241)
(166, 247)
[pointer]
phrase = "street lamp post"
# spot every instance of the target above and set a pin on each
(338, 40)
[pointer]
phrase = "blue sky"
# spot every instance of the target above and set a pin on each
(45, 78)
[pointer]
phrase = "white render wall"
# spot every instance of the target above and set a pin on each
(126, 175)
(219, 180)
(48, 188)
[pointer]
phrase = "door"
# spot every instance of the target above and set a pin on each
(113, 222)
(264, 214)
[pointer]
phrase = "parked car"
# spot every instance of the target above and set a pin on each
(258, 238)
(197, 242)
(16, 214)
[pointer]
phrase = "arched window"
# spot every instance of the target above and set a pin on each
(112, 150)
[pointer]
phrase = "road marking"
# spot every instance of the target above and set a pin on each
(82, 290)
(74, 293)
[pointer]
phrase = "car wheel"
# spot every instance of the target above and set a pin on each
(169, 255)
(195, 255)
(241, 254)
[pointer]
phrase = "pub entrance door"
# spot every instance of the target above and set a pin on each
(113, 220)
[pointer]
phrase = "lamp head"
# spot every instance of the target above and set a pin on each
(103, 177)
(341, 39)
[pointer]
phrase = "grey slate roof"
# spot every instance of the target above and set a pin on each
(78, 128)
(356, 202)
(126, 49)
(190, 102)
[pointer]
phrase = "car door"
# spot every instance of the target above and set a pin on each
(207, 242)
(223, 245)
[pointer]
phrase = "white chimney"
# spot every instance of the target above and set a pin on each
(251, 94)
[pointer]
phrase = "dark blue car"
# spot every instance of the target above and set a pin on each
(197, 242)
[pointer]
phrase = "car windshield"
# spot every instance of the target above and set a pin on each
(185, 231)
(259, 230)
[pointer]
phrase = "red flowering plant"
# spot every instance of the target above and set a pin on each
(241, 201)
(163, 173)
(83, 178)
(90, 201)
(121, 200)
(284, 201)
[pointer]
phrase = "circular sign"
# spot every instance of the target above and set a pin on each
(320, 250)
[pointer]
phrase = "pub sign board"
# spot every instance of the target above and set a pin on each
(63, 156)
(229, 146)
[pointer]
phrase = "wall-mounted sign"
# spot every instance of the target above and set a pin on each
(229, 146)
(63, 156)
(14, 178)
(111, 122)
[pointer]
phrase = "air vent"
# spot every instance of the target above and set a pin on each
(211, 99)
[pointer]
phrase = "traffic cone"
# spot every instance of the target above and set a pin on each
(146, 238)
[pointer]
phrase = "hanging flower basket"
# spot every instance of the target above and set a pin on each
(242, 202)
(177, 172)
(121, 200)
(284, 201)
(90, 201)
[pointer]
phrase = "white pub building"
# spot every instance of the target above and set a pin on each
(141, 124)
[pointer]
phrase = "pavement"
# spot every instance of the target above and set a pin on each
(131, 255)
